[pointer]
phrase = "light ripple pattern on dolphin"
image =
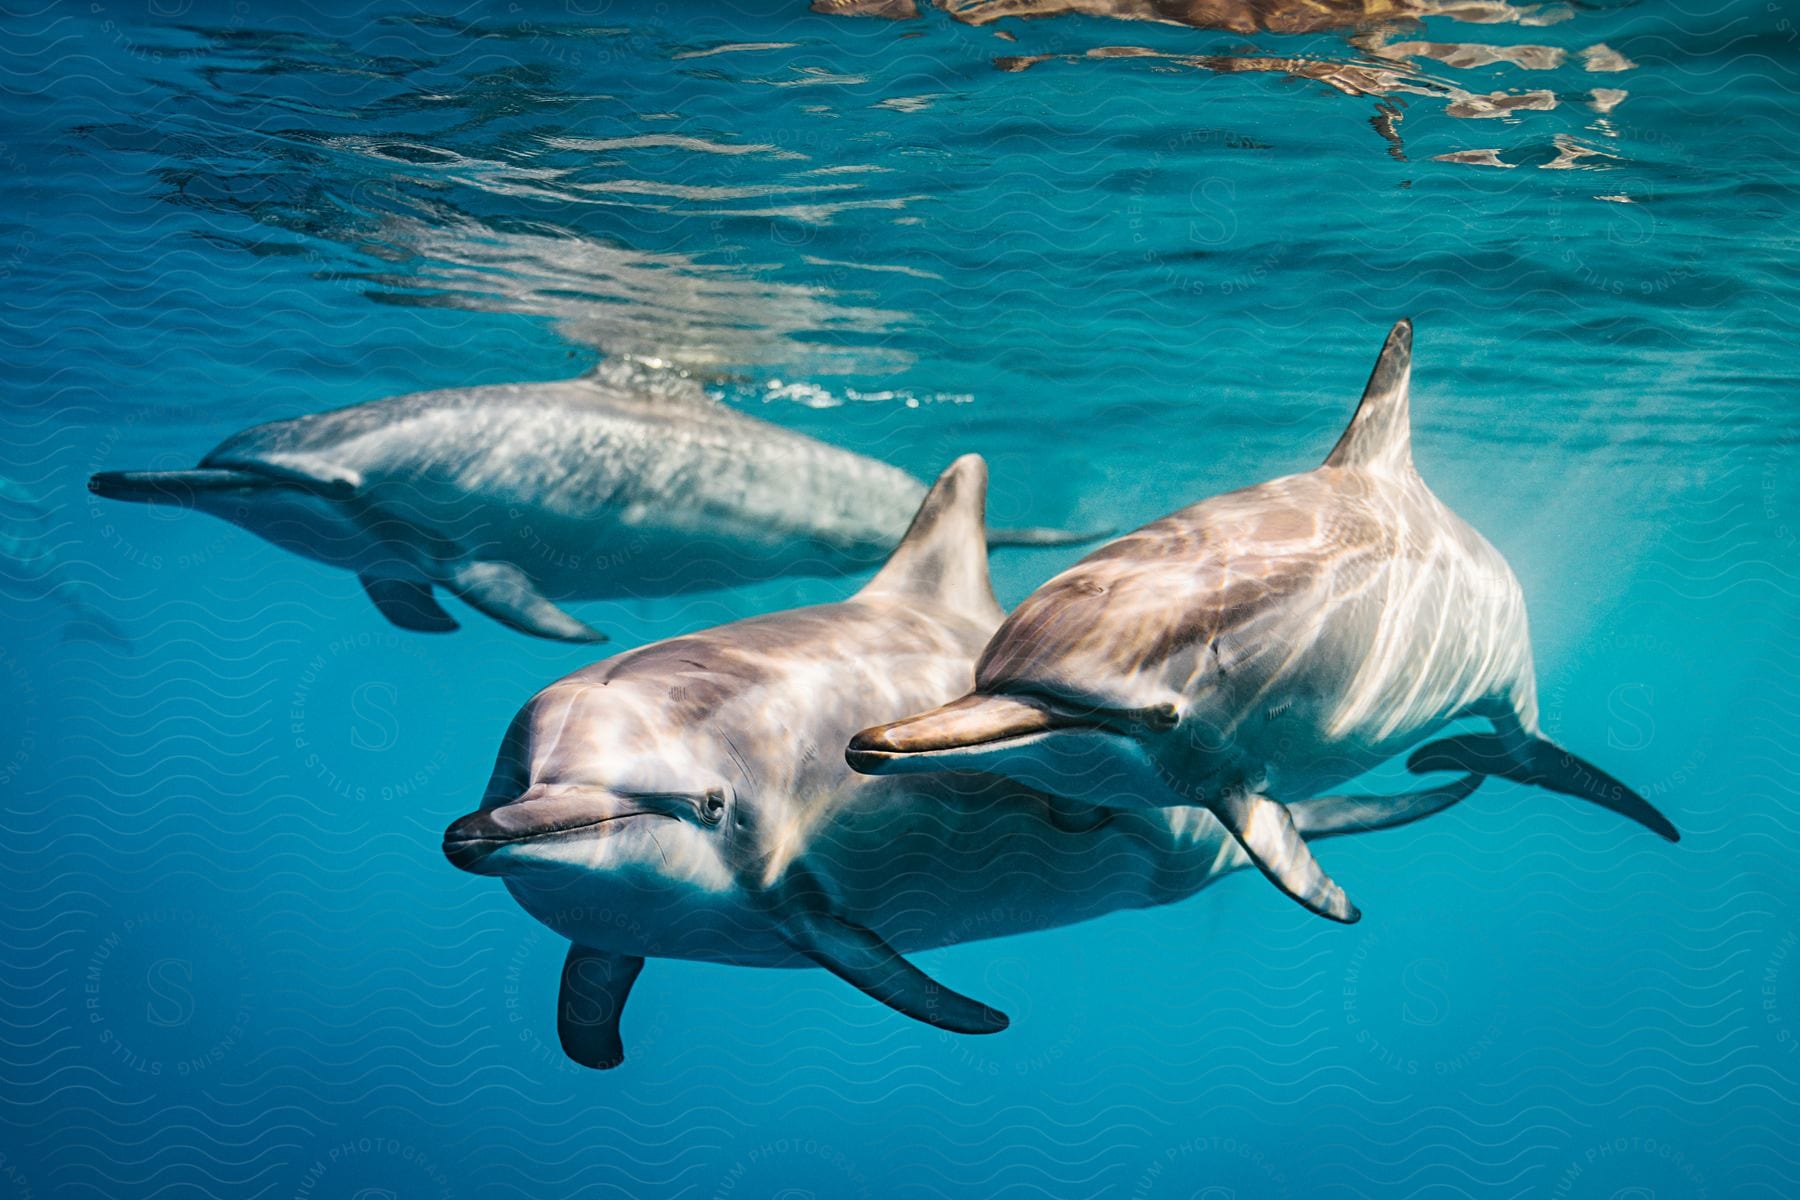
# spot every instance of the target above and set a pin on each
(1121, 243)
(1260, 647)
(689, 799)
(627, 482)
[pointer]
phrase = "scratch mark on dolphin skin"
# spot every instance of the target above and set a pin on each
(743, 763)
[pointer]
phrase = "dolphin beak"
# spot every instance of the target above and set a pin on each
(169, 487)
(956, 735)
(470, 842)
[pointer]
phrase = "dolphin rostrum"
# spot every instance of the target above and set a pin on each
(629, 481)
(690, 799)
(1260, 647)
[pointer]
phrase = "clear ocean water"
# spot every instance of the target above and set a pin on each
(1133, 263)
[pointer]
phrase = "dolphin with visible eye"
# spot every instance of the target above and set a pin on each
(629, 481)
(1261, 647)
(690, 799)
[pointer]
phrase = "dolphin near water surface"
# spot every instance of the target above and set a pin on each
(1261, 647)
(690, 799)
(629, 481)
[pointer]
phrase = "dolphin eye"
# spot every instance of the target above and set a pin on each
(712, 807)
(1162, 717)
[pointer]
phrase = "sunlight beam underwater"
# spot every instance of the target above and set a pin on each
(1263, 646)
(689, 799)
(627, 482)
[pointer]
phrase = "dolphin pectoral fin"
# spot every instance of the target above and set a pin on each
(595, 986)
(1329, 816)
(860, 958)
(408, 603)
(1266, 831)
(503, 592)
(1541, 763)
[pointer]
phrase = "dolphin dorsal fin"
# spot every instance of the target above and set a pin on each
(1379, 436)
(649, 378)
(944, 553)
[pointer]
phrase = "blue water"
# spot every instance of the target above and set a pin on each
(235, 962)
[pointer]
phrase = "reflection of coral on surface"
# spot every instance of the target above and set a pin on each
(1237, 16)
(1350, 78)
(1369, 22)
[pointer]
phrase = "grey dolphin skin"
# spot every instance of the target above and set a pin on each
(626, 482)
(690, 799)
(1263, 646)
(33, 567)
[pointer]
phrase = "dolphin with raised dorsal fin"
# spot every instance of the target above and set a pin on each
(629, 481)
(690, 799)
(1261, 647)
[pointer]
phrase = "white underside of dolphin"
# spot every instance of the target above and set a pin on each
(690, 799)
(1260, 648)
(627, 482)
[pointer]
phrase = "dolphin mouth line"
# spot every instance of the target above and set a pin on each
(468, 852)
(1024, 723)
(860, 758)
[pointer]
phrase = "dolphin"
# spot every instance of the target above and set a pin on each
(690, 799)
(627, 481)
(33, 566)
(1260, 647)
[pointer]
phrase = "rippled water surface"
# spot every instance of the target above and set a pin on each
(1134, 255)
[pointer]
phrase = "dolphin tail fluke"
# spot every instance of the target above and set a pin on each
(1039, 536)
(503, 592)
(1267, 833)
(1331, 816)
(943, 556)
(595, 986)
(862, 959)
(408, 604)
(1541, 763)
